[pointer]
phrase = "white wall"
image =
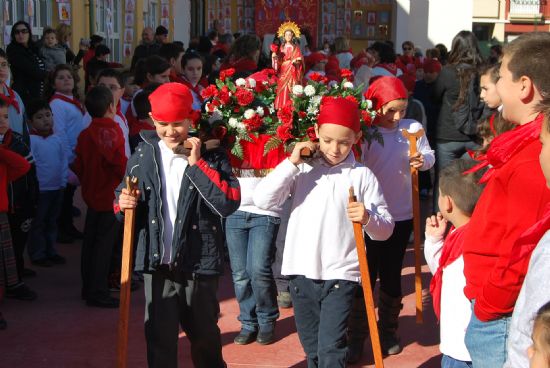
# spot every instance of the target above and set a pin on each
(182, 21)
(429, 22)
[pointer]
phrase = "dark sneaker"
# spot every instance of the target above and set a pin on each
(108, 302)
(245, 337)
(114, 285)
(57, 259)
(42, 262)
(284, 300)
(21, 292)
(390, 344)
(266, 337)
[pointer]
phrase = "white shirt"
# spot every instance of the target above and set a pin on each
(17, 119)
(455, 309)
(378, 70)
(320, 243)
(122, 123)
(172, 168)
(390, 164)
(248, 186)
(68, 122)
(50, 159)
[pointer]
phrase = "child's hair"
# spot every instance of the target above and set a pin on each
(111, 73)
(433, 53)
(3, 104)
(170, 51)
(34, 106)
(487, 131)
(126, 75)
(101, 50)
(492, 70)
(141, 101)
(385, 52)
(190, 56)
(50, 86)
(3, 54)
(98, 100)
(47, 31)
(528, 56)
(464, 189)
(245, 46)
(154, 65)
(541, 330)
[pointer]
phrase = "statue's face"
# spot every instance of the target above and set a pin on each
(288, 36)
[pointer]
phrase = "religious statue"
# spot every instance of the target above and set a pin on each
(288, 62)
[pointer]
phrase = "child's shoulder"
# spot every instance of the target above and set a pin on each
(411, 125)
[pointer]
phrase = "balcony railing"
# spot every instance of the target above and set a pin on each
(525, 7)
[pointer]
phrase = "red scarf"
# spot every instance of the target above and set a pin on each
(33, 131)
(509, 143)
(196, 89)
(70, 100)
(10, 99)
(527, 242)
(120, 114)
(8, 136)
(452, 249)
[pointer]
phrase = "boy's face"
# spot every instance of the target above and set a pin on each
(4, 70)
(430, 77)
(509, 92)
(50, 39)
(335, 142)
(172, 134)
(115, 87)
(42, 121)
(390, 114)
(130, 88)
(4, 120)
(162, 78)
(544, 156)
(443, 204)
(489, 93)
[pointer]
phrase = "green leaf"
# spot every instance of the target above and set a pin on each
(219, 84)
(237, 150)
(246, 137)
(272, 144)
(231, 85)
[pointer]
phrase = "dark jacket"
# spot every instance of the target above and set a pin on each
(28, 71)
(445, 92)
(143, 51)
(209, 193)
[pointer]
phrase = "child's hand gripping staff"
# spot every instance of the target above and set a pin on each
(359, 216)
(127, 203)
(416, 161)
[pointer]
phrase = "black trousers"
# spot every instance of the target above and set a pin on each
(385, 258)
(174, 300)
(19, 228)
(100, 233)
(65, 220)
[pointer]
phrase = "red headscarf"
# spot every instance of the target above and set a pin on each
(340, 111)
(172, 102)
(385, 89)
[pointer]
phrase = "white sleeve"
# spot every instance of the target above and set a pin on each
(423, 146)
(380, 225)
(60, 128)
(274, 189)
(432, 252)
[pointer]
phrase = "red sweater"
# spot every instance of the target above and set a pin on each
(100, 162)
(513, 200)
(12, 167)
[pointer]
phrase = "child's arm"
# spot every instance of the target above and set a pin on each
(423, 147)
(17, 165)
(435, 230)
(380, 223)
(123, 199)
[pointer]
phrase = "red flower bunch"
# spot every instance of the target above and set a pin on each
(311, 134)
(274, 48)
(253, 124)
(366, 117)
(227, 73)
(347, 74)
(352, 98)
(283, 132)
(316, 77)
(224, 95)
(210, 91)
(285, 114)
(244, 96)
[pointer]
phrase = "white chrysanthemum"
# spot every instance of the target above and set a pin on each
(271, 109)
(369, 104)
(332, 84)
(260, 111)
(233, 123)
(348, 85)
(309, 90)
(216, 115)
(315, 101)
(249, 114)
(312, 110)
(251, 82)
(297, 90)
(241, 126)
(240, 82)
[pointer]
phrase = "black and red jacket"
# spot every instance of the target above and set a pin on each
(209, 193)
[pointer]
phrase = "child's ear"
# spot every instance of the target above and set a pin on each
(358, 136)
(528, 89)
(448, 204)
(316, 127)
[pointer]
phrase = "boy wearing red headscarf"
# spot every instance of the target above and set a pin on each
(320, 254)
(181, 202)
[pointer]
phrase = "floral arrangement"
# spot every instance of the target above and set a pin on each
(297, 120)
(237, 111)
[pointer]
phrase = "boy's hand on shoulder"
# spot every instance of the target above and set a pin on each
(358, 213)
(416, 160)
(295, 156)
(436, 226)
(127, 201)
(195, 154)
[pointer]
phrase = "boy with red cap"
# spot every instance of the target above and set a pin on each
(320, 254)
(514, 199)
(181, 203)
(99, 164)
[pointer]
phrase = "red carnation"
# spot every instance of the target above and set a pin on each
(283, 132)
(346, 73)
(227, 73)
(311, 134)
(224, 95)
(253, 124)
(302, 114)
(274, 48)
(285, 114)
(351, 98)
(366, 117)
(316, 77)
(210, 91)
(244, 96)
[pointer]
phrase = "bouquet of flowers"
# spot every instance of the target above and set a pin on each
(297, 119)
(241, 110)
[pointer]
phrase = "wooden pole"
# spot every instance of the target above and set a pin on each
(367, 291)
(413, 137)
(125, 278)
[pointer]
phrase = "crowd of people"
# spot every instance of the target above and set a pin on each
(286, 232)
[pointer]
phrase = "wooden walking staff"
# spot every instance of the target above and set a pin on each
(413, 137)
(125, 277)
(367, 291)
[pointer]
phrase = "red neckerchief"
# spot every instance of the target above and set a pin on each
(390, 67)
(452, 249)
(71, 100)
(507, 144)
(120, 114)
(33, 131)
(527, 242)
(197, 89)
(8, 136)
(10, 99)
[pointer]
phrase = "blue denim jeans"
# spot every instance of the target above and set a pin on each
(486, 341)
(251, 244)
(43, 232)
(321, 311)
(448, 362)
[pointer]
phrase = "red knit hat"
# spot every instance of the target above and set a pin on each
(339, 111)
(172, 102)
(385, 89)
(432, 66)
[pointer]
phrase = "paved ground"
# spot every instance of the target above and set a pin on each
(58, 330)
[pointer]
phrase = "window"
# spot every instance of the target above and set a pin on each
(151, 17)
(527, 7)
(41, 18)
(108, 25)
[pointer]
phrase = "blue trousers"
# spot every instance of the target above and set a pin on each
(43, 232)
(251, 244)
